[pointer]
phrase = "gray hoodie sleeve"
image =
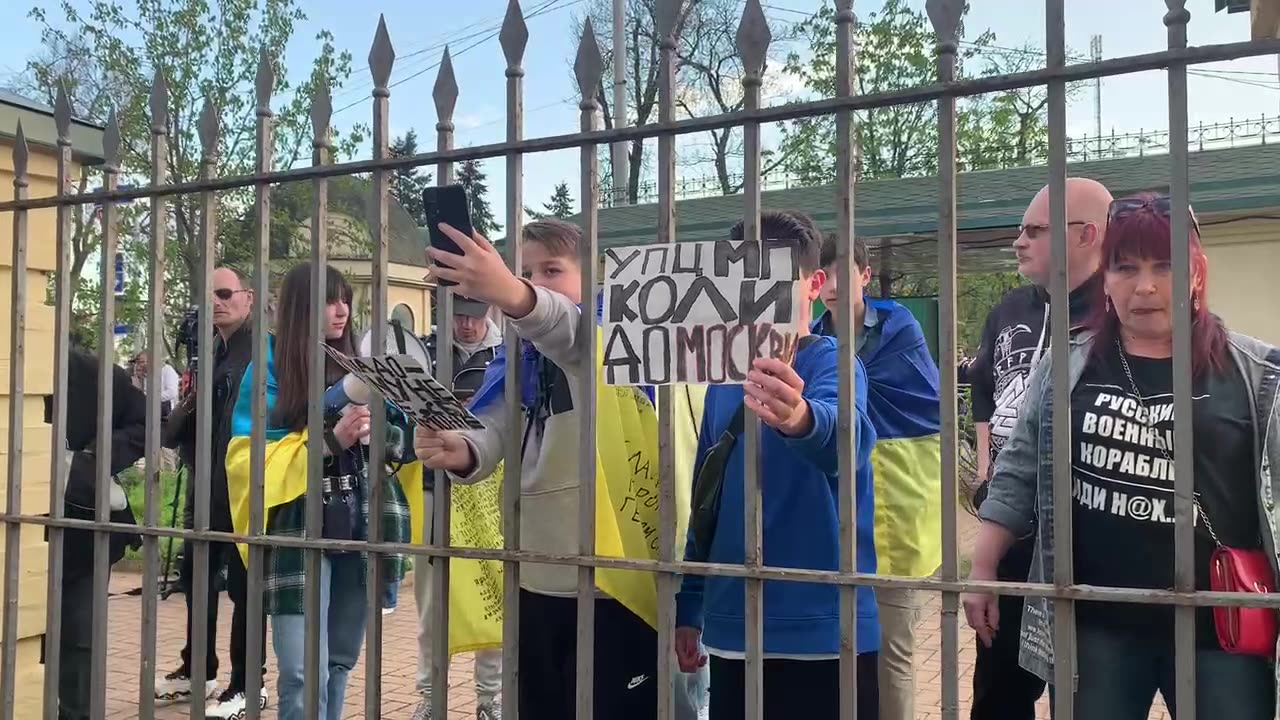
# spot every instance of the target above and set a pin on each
(552, 327)
(1011, 498)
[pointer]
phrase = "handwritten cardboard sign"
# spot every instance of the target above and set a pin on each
(403, 381)
(698, 313)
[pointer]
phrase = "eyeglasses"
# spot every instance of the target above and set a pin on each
(1033, 231)
(225, 294)
(1162, 204)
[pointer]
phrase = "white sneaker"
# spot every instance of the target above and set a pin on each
(175, 687)
(232, 705)
(423, 711)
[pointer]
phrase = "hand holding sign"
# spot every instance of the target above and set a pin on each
(404, 383)
(773, 391)
(443, 450)
(481, 273)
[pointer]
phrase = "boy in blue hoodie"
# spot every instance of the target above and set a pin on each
(799, 497)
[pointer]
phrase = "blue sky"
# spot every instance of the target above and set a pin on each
(1127, 26)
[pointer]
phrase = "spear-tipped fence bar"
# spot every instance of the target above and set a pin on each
(753, 40)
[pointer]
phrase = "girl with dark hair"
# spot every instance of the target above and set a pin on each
(346, 489)
(1122, 460)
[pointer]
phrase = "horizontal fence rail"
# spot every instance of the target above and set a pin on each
(270, 543)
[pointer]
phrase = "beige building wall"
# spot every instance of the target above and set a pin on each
(38, 379)
(1244, 276)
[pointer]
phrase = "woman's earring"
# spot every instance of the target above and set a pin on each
(1195, 302)
(1108, 304)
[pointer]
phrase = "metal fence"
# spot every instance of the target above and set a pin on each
(753, 39)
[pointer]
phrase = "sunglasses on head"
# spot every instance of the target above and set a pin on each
(225, 294)
(1162, 204)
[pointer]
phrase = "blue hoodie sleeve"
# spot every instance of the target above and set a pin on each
(689, 598)
(866, 434)
(821, 391)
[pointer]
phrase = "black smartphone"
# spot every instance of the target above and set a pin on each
(446, 204)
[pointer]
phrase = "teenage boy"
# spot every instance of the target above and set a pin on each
(902, 396)
(799, 464)
(544, 307)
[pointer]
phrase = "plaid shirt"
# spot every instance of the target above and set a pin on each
(286, 567)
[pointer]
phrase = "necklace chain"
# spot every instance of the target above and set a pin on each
(1195, 497)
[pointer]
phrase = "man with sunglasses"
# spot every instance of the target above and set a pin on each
(1015, 338)
(232, 351)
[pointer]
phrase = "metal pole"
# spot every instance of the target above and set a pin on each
(514, 37)
(255, 653)
(1184, 553)
(13, 483)
(155, 343)
(1064, 651)
(621, 118)
(587, 67)
(445, 94)
(381, 58)
(753, 39)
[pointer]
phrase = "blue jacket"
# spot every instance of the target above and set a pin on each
(799, 490)
(903, 405)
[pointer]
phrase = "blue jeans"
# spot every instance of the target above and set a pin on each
(390, 593)
(1120, 672)
(341, 627)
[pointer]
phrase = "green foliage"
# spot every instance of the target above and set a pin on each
(559, 206)
(169, 515)
(976, 294)
(895, 51)
(108, 54)
(407, 184)
(472, 177)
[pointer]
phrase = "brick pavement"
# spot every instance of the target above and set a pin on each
(400, 658)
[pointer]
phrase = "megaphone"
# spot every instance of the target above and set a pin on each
(350, 390)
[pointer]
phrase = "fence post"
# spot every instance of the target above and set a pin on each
(668, 12)
(321, 114)
(63, 295)
(106, 377)
(753, 39)
(587, 68)
(513, 38)
(445, 94)
(946, 15)
(381, 59)
(155, 345)
(1184, 553)
(13, 481)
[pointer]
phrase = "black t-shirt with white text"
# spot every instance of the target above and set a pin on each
(1123, 483)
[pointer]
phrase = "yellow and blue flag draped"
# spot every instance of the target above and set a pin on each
(626, 508)
(902, 402)
(285, 478)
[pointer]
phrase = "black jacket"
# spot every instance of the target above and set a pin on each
(231, 358)
(128, 444)
(468, 373)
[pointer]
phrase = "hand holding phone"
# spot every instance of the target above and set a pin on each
(470, 264)
(447, 204)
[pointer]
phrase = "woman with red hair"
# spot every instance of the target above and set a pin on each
(1122, 453)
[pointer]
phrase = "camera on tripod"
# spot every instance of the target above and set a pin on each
(188, 337)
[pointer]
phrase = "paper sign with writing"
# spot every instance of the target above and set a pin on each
(403, 381)
(699, 312)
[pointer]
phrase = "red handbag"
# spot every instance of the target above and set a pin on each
(1243, 630)
(1240, 630)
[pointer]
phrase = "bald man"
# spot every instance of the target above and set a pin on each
(1014, 338)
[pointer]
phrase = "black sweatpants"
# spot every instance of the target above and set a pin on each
(222, 554)
(808, 689)
(76, 654)
(626, 660)
(1002, 690)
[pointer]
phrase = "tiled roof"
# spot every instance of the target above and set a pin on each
(904, 211)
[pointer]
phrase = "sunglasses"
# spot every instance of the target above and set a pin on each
(1162, 204)
(1033, 231)
(225, 294)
